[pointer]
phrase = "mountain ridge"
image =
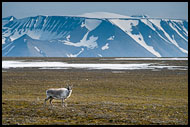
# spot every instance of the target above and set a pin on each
(96, 37)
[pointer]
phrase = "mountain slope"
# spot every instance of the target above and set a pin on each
(94, 36)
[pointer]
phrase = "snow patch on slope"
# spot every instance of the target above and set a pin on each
(37, 49)
(7, 46)
(148, 23)
(91, 24)
(75, 55)
(99, 55)
(158, 25)
(172, 40)
(175, 43)
(9, 50)
(83, 24)
(12, 18)
(126, 26)
(177, 31)
(90, 43)
(105, 46)
(111, 38)
(68, 37)
(3, 40)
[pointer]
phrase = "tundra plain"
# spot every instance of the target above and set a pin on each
(99, 97)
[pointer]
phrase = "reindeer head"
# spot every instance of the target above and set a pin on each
(69, 87)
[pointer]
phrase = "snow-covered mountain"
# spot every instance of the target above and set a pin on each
(102, 15)
(99, 34)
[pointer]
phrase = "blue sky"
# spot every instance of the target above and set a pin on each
(177, 10)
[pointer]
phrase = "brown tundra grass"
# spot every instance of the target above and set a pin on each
(135, 97)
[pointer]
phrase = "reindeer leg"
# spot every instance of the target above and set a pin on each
(65, 103)
(50, 101)
(62, 102)
(46, 100)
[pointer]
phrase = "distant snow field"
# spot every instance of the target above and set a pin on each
(63, 65)
(155, 58)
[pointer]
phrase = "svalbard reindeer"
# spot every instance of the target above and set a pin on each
(60, 93)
